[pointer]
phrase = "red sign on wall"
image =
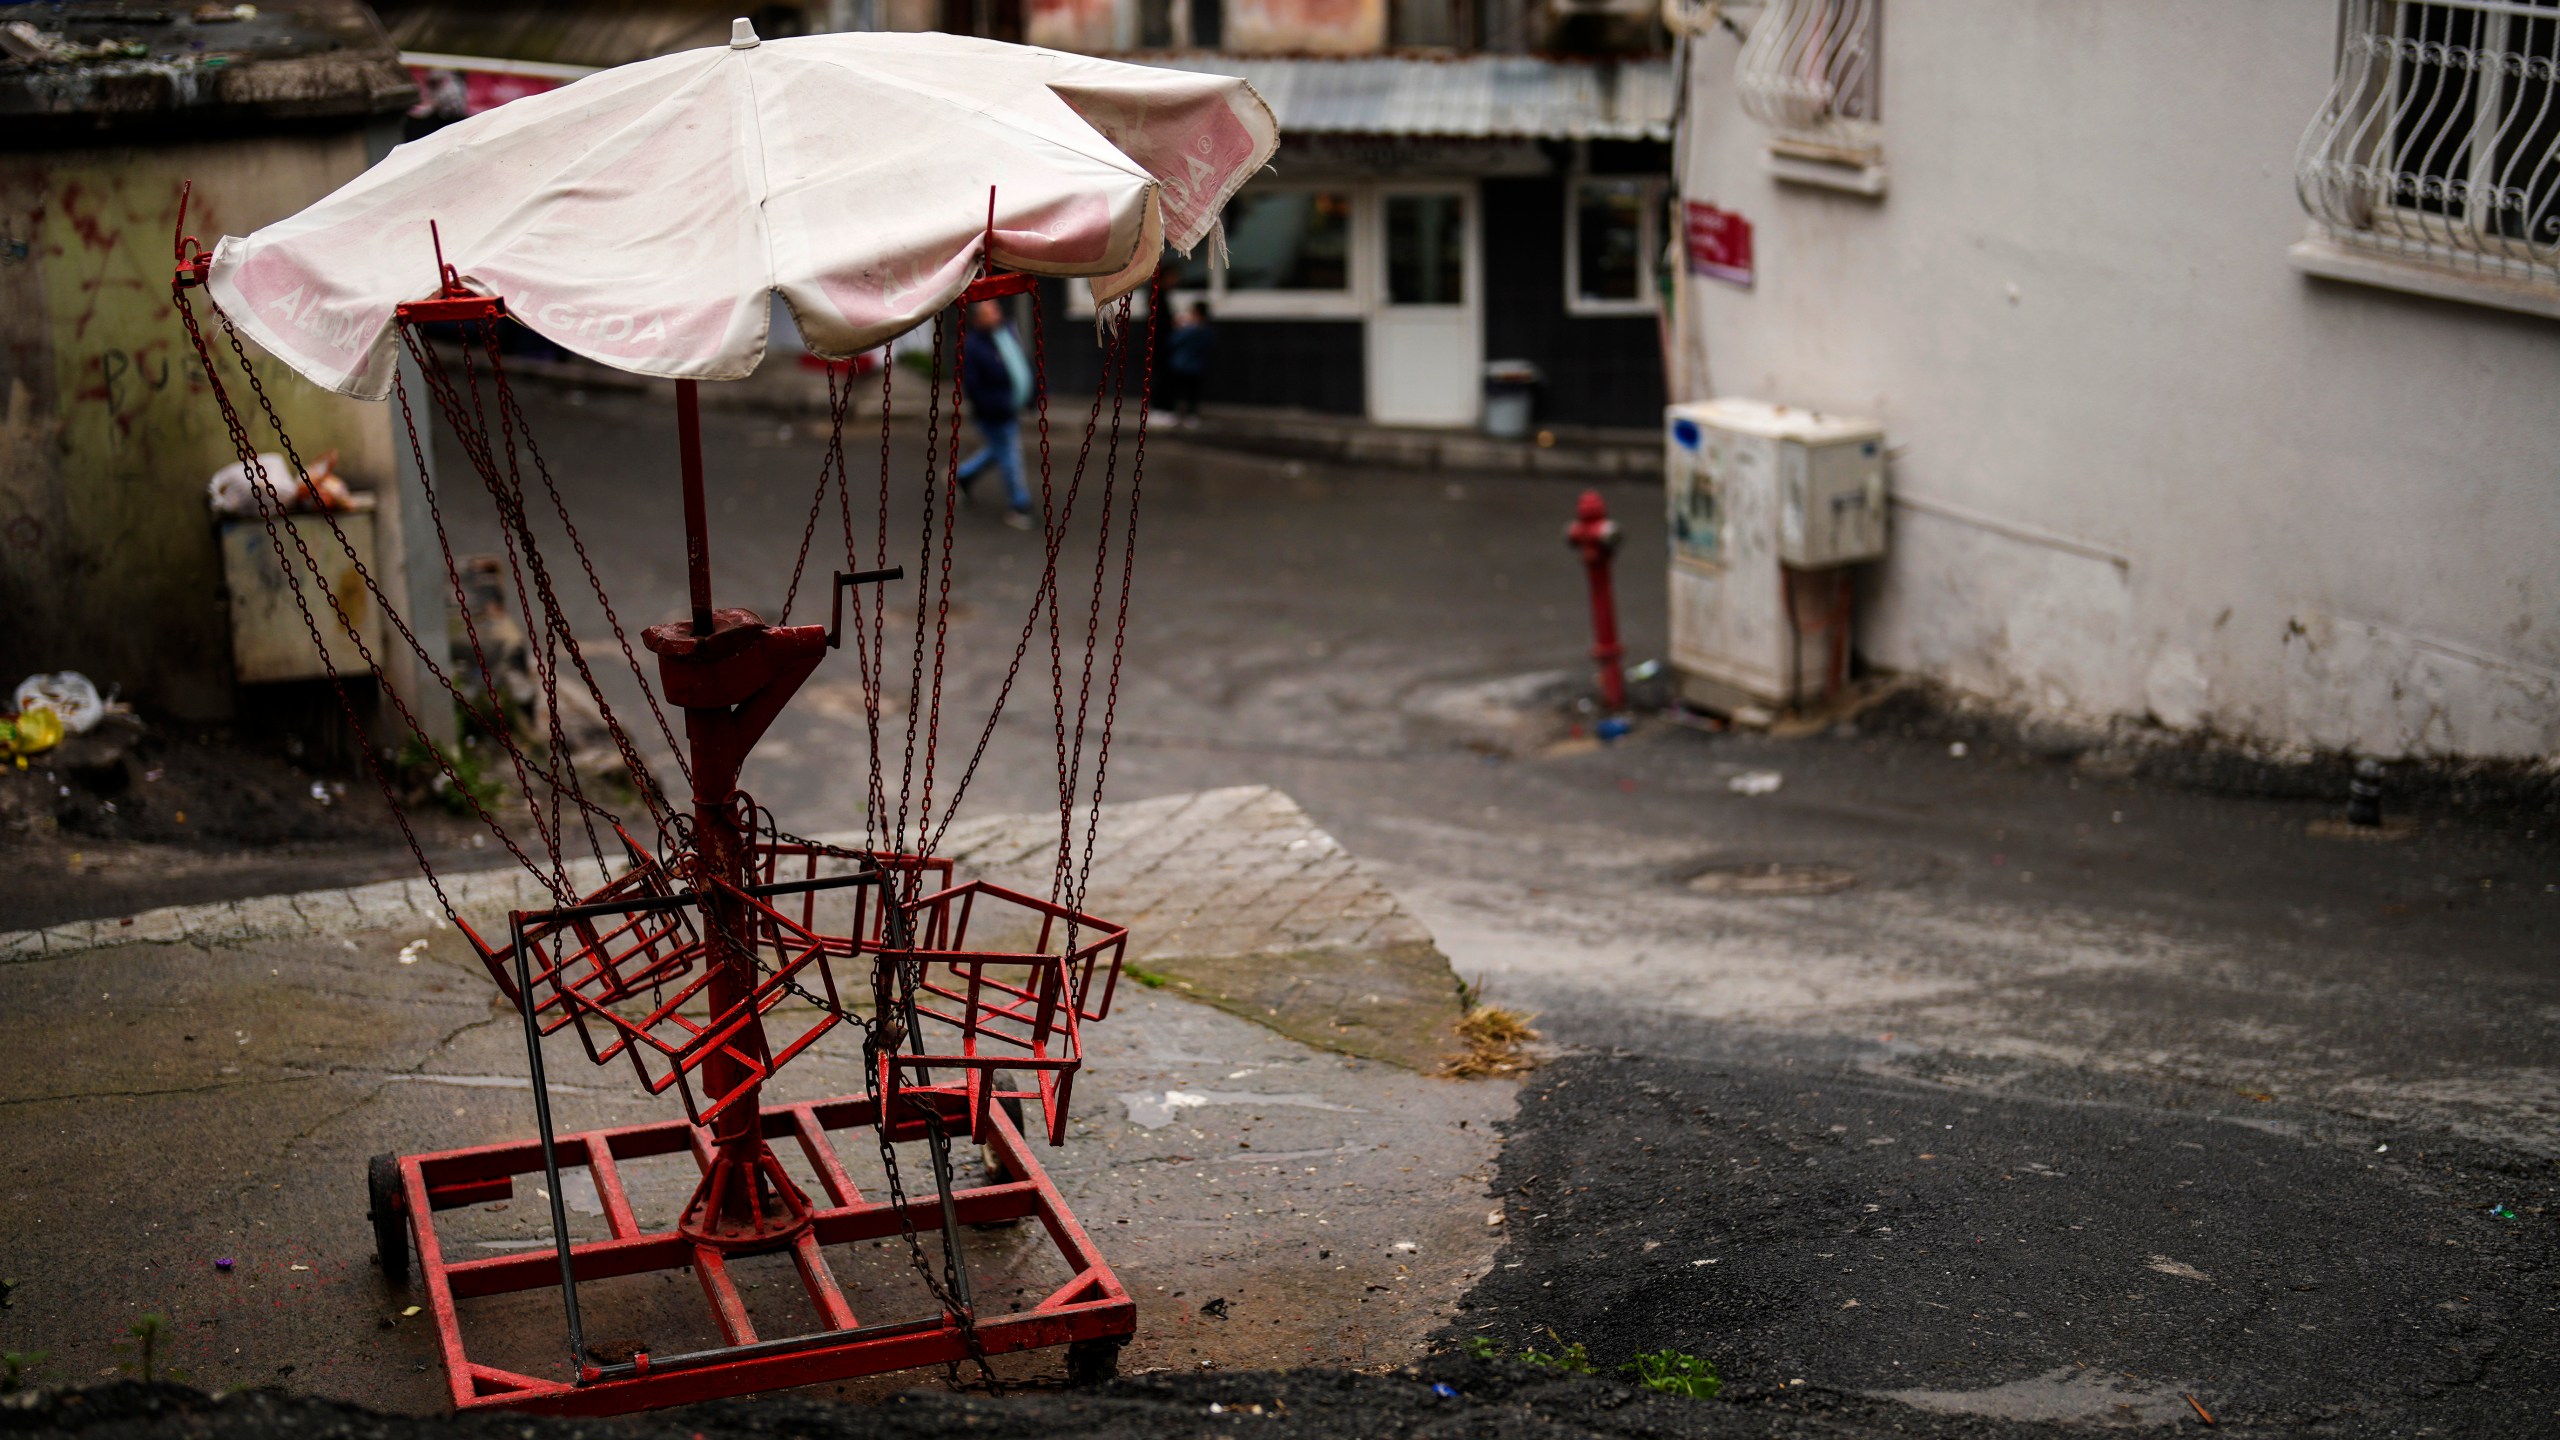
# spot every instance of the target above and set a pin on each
(450, 95)
(1719, 243)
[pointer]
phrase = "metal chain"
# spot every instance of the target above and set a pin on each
(924, 567)
(878, 807)
(830, 469)
(517, 522)
(1120, 622)
(1044, 596)
(474, 436)
(639, 675)
(373, 587)
(248, 454)
(1114, 362)
(435, 511)
(255, 468)
(1068, 782)
(556, 616)
(950, 488)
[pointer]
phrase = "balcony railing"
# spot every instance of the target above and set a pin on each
(2440, 140)
(1809, 72)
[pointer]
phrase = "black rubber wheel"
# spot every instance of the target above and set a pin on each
(389, 1211)
(1092, 1362)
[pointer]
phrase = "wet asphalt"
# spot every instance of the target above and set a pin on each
(2096, 1257)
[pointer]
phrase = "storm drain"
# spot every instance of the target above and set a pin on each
(1773, 877)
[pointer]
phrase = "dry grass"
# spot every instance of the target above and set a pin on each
(1495, 1039)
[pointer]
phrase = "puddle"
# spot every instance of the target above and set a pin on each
(2064, 1394)
(1773, 877)
(1149, 1110)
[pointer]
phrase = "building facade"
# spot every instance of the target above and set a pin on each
(108, 432)
(1430, 216)
(2216, 345)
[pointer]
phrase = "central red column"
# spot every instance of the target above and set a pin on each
(732, 674)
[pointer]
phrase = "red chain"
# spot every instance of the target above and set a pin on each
(1120, 623)
(924, 567)
(1068, 781)
(651, 792)
(830, 471)
(950, 486)
(250, 464)
(1054, 523)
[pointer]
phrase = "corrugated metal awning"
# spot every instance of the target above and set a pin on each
(1507, 97)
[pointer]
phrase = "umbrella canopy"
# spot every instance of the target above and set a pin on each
(640, 216)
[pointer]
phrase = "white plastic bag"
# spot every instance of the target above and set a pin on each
(68, 694)
(234, 491)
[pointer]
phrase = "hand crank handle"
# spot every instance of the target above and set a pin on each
(835, 628)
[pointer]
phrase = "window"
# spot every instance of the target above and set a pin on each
(2439, 145)
(1609, 244)
(1811, 72)
(1425, 24)
(1289, 240)
(1426, 249)
(1289, 253)
(1180, 24)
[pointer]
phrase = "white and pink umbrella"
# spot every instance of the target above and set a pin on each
(640, 216)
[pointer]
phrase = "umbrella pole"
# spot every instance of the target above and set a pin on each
(697, 524)
(732, 674)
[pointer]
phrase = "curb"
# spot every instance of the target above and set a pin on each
(1576, 454)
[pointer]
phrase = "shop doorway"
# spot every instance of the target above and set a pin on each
(1425, 331)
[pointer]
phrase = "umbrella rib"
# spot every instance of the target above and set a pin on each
(764, 219)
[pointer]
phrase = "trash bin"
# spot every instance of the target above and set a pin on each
(1510, 398)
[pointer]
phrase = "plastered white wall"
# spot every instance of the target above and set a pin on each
(2154, 470)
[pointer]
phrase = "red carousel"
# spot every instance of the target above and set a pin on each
(699, 952)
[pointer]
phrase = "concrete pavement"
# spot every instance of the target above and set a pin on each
(205, 1085)
(2107, 970)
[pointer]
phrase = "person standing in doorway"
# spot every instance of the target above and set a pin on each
(997, 380)
(1186, 359)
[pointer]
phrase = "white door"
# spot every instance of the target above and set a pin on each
(1426, 351)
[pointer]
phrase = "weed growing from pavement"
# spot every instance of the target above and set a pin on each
(1674, 1373)
(17, 1367)
(144, 1346)
(1148, 978)
(423, 767)
(1573, 1359)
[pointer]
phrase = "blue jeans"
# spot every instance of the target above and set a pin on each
(1003, 448)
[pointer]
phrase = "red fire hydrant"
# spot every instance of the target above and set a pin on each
(1595, 536)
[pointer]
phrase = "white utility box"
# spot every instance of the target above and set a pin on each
(1757, 491)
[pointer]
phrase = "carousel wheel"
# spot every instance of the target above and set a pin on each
(1093, 1362)
(389, 1212)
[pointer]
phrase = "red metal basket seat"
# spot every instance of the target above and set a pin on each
(1011, 1002)
(625, 968)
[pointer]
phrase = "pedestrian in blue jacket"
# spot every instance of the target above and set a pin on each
(996, 378)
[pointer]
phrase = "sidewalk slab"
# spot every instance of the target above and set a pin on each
(175, 1101)
(1234, 896)
(1238, 898)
